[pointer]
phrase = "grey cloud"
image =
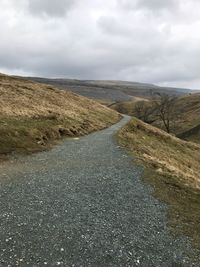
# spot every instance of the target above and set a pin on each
(151, 5)
(132, 30)
(50, 7)
(157, 4)
(100, 41)
(112, 25)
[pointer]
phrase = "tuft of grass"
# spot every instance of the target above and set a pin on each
(173, 168)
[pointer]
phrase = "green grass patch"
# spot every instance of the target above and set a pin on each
(26, 135)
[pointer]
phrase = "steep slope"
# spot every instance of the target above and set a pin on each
(187, 118)
(192, 134)
(166, 153)
(189, 109)
(32, 115)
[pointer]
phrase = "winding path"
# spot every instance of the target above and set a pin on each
(83, 204)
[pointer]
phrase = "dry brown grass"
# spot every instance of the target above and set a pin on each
(33, 114)
(166, 153)
(19, 97)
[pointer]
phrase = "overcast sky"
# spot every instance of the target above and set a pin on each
(153, 41)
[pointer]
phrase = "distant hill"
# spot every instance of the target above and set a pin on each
(113, 91)
(32, 115)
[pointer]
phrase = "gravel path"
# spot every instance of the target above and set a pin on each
(83, 204)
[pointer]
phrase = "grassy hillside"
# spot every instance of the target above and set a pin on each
(189, 107)
(166, 153)
(175, 172)
(192, 134)
(33, 115)
(186, 122)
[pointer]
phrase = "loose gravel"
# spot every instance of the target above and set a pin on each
(84, 204)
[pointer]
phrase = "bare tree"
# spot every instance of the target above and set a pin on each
(165, 109)
(143, 110)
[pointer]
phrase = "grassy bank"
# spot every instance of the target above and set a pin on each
(33, 116)
(173, 168)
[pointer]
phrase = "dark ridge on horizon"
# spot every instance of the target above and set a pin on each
(110, 90)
